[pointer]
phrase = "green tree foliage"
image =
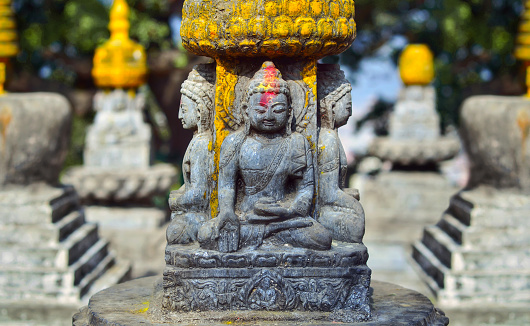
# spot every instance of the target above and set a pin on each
(55, 32)
(473, 42)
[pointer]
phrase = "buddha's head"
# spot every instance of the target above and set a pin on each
(267, 105)
(196, 104)
(334, 93)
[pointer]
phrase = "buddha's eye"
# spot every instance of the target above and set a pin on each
(259, 109)
(279, 108)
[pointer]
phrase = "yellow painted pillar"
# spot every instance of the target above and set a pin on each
(8, 39)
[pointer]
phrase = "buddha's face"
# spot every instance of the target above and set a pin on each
(268, 112)
(342, 110)
(188, 113)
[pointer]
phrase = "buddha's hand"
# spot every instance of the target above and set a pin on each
(227, 231)
(268, 206)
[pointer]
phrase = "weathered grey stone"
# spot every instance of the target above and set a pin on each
(34, 136)
(139, 302)
(495, 130)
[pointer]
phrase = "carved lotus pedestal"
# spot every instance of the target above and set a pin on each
(336, 280)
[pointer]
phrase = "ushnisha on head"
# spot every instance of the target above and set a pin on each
(197, 103)
(334, 93)
(267, 103)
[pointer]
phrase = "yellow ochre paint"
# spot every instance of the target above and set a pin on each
(142, 310)
(224, 99)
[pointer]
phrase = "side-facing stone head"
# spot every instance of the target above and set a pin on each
(34, 136)
(334, 95)
(268, 106)
(196, 105)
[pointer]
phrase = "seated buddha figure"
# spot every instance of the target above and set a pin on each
(190, 203)
(339, 211)
(266, 177)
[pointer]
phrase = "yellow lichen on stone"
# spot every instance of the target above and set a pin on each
(224, 98)
(416, 65)
(119, 62)
(268, 28)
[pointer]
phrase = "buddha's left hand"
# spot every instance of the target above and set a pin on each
(267, 206)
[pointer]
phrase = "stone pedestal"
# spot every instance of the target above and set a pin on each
(139, 302)
(268, 279)
(477, 253)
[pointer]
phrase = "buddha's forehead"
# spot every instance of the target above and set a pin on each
(267, 98)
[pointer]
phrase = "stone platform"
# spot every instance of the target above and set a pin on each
(137, 302)
(478, 252)
(270, 278)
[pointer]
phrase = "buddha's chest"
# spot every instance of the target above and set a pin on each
(258, 159)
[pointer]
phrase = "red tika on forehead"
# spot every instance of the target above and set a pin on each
(266, 98)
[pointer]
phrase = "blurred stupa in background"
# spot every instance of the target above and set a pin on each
(51, 260)
(118, 180)
(408, 196)
(476, 257)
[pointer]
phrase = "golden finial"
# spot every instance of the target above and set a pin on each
(522, 43)
(8, 38)
(416, 65)
(119, 62)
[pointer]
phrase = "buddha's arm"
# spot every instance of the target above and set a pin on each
(195, 193)
(301, 203)
(328, 166)
(228, 170)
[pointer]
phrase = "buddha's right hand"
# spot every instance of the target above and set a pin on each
(227, 231)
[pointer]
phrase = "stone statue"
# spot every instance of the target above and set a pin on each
(275, 167)
(340, 212)
(190, 203)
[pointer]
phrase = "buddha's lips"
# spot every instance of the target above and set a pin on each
(266, 98)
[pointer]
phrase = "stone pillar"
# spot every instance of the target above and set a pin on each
(50, 258)
(477, 254)
(118, 179)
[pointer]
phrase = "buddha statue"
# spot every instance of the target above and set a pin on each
(339, 211)
(266, 176)
(190, 203)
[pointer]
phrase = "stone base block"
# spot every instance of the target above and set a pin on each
(139, 302)
(268, 279)
(399, 204)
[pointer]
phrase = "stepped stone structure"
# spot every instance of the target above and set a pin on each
(478, 252)
(407, 195)
(49, 254)
(118, 179)
(263, 229)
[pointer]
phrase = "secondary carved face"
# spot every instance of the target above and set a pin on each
(342, 110)
(188, 113)
(268, 112)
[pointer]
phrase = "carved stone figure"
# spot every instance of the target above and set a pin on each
(190, 203)
(340, 212)
(275, 167)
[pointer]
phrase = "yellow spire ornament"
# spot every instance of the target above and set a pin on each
(8, 39)
(522, 47)
(119, 62)
(416, 65)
